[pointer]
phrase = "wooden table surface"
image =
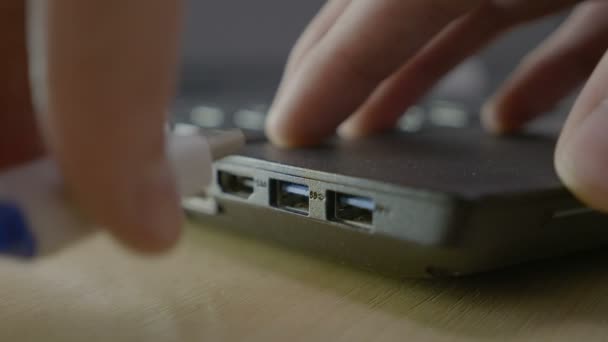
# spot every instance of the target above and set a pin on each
(217, 286)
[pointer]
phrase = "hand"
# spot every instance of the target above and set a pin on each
(362, 63)
(111, 67)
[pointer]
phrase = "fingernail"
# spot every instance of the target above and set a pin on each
(490, 119)
(275, 123)
(274, 129)
(582, 160)
(350, 130)
(285, 125)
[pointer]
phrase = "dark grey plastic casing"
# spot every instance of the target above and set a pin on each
(447, 201)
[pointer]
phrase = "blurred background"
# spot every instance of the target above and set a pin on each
(234, 52)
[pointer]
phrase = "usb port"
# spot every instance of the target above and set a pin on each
(350, 209)
(289, 196)
(235, 185)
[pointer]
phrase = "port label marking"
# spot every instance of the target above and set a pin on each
(317, 196)
(261, 183)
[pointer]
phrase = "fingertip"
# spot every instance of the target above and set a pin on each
(490, 121)
(288, 131)
(351, 130)
(147, 241)
(275, 133)
(498, 118)
(494, 120)
(583, 187)
(581, 161)
(147, 216)
(153, 224)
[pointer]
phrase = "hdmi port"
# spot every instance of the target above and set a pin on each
(235, 185)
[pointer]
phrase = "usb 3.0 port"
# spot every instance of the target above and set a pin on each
(351, 209)
(290, 196)
(235, 185)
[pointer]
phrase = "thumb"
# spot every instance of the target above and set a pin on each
(582, 152)
(110, 80)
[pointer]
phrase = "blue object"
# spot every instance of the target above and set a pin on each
(15, 237)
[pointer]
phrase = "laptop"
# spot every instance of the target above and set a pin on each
(436, 197)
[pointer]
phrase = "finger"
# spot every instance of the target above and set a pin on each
(388, 103)
(582, 152)
(369, 42)
(315, 31)
(111, 76)
(451, 47)
(362, 50)
(553, 71)
(19, 140)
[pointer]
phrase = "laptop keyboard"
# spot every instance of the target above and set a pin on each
(251, 118)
